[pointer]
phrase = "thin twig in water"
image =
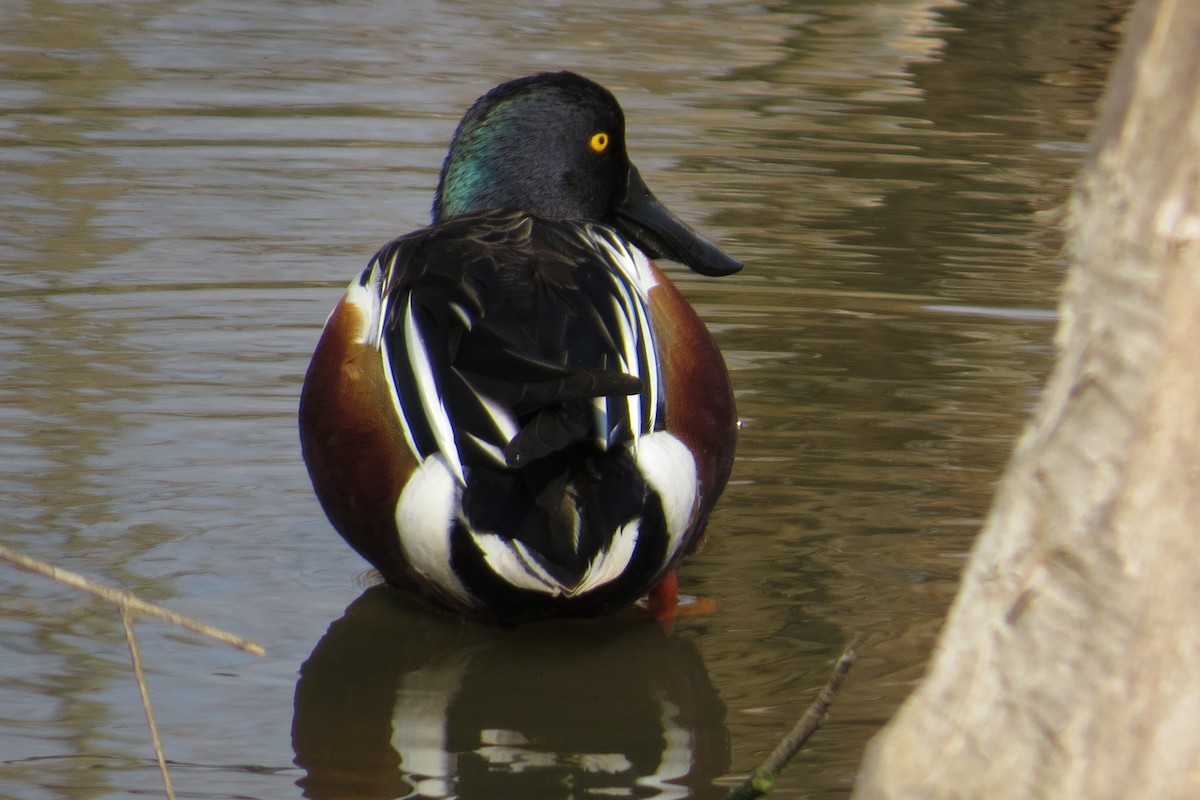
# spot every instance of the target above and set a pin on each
(128, 603)
(123, 599)
(127, 619)
(767, 773)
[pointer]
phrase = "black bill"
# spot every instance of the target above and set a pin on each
(660, 234)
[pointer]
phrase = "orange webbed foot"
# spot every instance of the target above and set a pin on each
(665, 605)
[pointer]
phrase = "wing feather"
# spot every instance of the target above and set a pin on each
(508, 334)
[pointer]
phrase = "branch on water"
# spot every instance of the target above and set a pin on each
(126, 600)
(136, 658)
(128, 603)
(763, 779)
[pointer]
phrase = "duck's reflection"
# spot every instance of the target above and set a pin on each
(397, 702)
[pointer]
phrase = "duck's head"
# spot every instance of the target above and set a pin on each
(554, 145)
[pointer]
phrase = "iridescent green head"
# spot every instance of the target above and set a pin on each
(553, 145)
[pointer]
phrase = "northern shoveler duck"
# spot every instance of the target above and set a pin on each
(513, 411)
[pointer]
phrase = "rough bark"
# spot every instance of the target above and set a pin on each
(1069, 666)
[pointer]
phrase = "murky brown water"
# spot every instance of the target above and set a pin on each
(186, 188)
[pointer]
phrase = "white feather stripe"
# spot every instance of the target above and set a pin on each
(670, 469)
(512, 561)
(371, 284)
(386, 365)
(601, 417)
(631, 262)
(626, 304)
(624, 364)
(365, 293)
(610, 563)
(462, 315)
(427, 390)
(424, 516)
(518, 565)
(366, 303)
(494, 452)
(643, 353)
(653, 369)
(630, 364)
(639, 350)
(501, 417)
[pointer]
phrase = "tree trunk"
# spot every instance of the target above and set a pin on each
(1069, 666)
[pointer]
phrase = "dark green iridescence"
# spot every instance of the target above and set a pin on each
(470, 171)
(525, 147)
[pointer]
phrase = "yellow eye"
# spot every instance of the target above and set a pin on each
(598, 142)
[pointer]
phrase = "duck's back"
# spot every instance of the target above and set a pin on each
(510, 338)
(524, 377)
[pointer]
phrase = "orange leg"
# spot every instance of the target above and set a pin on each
(663, 599)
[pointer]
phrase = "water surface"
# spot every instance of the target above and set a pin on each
(188, 186)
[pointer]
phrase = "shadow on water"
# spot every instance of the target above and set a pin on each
(396, 702)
